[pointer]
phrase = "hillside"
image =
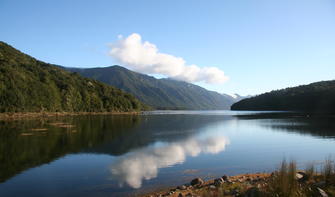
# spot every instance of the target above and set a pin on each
(29, 85)
(159, 93)
(315, 97)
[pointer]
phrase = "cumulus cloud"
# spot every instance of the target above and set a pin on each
(145, 163)
(144, 57)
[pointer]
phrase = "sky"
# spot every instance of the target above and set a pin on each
(231, 46)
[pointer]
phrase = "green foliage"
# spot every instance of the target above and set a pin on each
(315, 97)
(284, 182)
(158, 93)
(29, 85)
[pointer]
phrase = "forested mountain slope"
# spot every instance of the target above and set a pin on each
(159, 93)
(30, 85)
(315, 97)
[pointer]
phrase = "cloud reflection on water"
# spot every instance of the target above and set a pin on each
(145, 163)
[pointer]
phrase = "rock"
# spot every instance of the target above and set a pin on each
(212, 187)
(301, 176)
(322, 193)
(180, 195)
(218, 181)
(182, 187)
(252, 192)
(225, 177)
(197, 181)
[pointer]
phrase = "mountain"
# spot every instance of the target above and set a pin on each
(315, 97)
(159, 93)
(238, 97)
(30, 85)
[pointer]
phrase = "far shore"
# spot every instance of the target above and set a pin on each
(32, 115)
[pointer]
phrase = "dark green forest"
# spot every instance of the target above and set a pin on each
(316, 97)
(30, 85)
(159, 93)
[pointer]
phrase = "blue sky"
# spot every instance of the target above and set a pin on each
(260, 45)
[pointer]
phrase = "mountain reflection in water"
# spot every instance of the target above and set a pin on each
(94, 155)
(142, 164)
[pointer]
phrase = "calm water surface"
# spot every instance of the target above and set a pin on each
(124, 155)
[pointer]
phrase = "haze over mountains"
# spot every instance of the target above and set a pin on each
(163, 93)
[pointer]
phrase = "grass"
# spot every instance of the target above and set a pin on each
(284, 183)
(328, 171)
(310, 170)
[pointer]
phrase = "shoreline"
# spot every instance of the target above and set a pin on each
(285, 182)
(31, 115)
(231, 185)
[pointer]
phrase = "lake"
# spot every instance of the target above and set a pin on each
(124, 155)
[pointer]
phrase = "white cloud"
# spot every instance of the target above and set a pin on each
(145, 163)
(144, 57)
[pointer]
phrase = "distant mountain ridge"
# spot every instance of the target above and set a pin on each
(314, 97)
(159, 93)
(30, 85)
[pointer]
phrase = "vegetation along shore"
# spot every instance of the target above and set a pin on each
(287, 181)
(32, 115)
